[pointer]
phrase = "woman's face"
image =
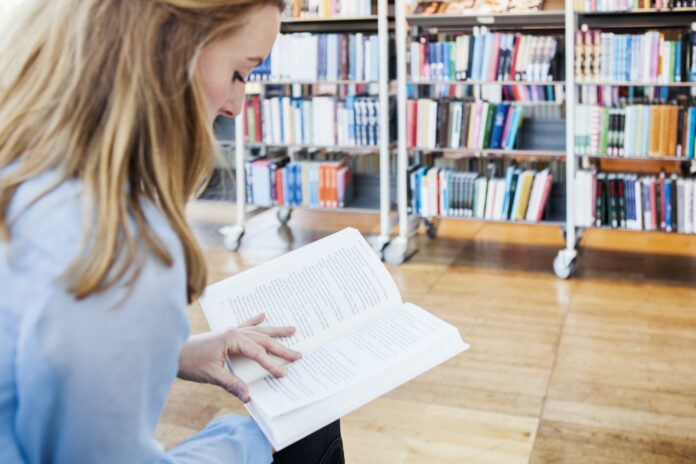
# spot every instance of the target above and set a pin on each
(225, 64)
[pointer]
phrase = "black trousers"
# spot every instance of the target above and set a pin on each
(324, 446)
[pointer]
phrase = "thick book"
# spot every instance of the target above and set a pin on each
(359, 340)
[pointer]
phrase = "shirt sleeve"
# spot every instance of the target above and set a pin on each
(228, 439)
(93, 375)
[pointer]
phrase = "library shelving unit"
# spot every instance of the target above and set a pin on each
(380, 23)
(551, 20)
(613, 21)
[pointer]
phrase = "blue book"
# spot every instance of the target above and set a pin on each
(630, 201)
(677, 63)
(476, 61)
(498, 125)
(286, 185)
(298, 184)
(691, 133)
(508, 185)
(517, 116)
(668, 205)
(351, 57)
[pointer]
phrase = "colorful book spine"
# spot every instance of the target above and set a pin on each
(456, 124)
(520, 196)
(628, 201)
(321, 57)
(319, 121)
(636, 131)
(486, 56)
(653, 57)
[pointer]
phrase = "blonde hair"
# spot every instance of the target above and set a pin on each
(106, 91)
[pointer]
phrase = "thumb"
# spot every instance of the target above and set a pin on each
(234, 385)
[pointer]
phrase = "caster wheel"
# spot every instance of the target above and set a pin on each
(395, 252)
(562, 268)
(232, 237)
(430, 229)
(284, 215)
(232, 243)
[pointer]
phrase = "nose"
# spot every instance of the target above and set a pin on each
(235, 101)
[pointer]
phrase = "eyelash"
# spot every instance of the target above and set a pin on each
(238, 77)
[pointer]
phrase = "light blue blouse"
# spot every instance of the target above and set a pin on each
(85, 381)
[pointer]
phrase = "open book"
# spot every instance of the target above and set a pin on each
(358, 339)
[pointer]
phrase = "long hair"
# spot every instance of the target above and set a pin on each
(106, 91)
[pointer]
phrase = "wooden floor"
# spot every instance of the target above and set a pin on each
(597, 369)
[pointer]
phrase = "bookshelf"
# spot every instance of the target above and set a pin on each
(549, 21)
(589, 206)
(376, 198)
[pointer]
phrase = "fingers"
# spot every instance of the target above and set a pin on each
(275, 331)
(256, 320)
(236, 386)
(256, 352)
(272, 346)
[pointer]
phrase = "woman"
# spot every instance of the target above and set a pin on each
(106, 108)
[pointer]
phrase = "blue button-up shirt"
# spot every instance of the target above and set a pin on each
(85, 381)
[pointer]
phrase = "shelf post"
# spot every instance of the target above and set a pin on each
(239, 168)
(402, 155)
(384, 185)
(565, 261)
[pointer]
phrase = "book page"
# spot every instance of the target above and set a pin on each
(288, 428)
(322, 289)
(351, 358)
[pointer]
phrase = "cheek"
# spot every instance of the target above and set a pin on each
(216, 93)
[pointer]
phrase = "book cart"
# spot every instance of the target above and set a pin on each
(363, 203)
(620, 17)
(551, 21)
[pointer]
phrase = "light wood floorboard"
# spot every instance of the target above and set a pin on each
(597, 369)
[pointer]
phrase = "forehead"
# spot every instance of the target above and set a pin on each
(255, 38)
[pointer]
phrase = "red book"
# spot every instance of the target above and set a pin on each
(279, 186)
(544, 197)
(246, 120)
(496, 56)
(411, 122)
(663, 203)
(256, 102)
(653, 205)
(513, 67)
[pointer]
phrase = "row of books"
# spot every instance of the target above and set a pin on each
(651, 57)
(462, 124)
(321, 57)
(635, 130)
(322, 121)
(628, 201)
(326, 9)
(497, 93)
(591, 6)
(310, 184)
(522, 195)
(487, 56)
(463, 7)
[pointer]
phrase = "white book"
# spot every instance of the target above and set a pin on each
(433, 191)
(432, 124)
(490, 198)
(481, 191)
(455, 135)
(681, 205)
(690, 206)
(499, 200)
(359, 340)
(639, 202)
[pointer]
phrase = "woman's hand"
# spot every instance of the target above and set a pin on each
(202, 359)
